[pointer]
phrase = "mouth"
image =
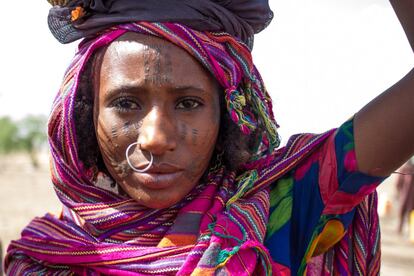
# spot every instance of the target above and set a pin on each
(159, 176)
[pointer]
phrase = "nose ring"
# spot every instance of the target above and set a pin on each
(132, 166)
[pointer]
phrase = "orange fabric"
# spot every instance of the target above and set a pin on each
(177, 240)
(330, 235)
(77, 13)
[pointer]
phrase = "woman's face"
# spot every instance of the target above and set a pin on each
(149, 91)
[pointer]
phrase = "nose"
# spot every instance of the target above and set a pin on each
(157, 132)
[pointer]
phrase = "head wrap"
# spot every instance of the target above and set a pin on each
(219, 227)
(73, 19)
(247, 100)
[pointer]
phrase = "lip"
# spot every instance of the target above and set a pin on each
(161, 168)
(159, 176)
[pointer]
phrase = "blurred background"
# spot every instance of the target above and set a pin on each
(322, 61)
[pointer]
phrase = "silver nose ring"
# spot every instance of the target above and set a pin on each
(129, 161)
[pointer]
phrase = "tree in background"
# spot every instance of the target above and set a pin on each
(8, 135)
(27, 135)
(32, 136)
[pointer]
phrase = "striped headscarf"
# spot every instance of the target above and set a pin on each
(218, 228)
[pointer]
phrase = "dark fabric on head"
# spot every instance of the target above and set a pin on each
(240, 18)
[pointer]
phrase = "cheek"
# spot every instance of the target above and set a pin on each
(114, 135)
(113, 139)
(205, 135)
(201, 143)
(108, 136)
(203, 139)
(128, 130)
(203, 131)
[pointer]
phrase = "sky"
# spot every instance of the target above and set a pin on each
(321, 60)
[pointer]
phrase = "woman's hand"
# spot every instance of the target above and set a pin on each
(384, 129)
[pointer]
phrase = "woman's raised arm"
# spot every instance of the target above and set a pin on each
(384, 128)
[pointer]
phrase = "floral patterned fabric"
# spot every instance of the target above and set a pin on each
(313, 206)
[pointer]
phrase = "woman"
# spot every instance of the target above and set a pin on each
(163, 153)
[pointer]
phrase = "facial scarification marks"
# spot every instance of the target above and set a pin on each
(183, 131)
(111, 138)
(131, 130)
(157, 70)
(118, 164)
(194, 133)
(198, 164)
(114, 132)
(137, 126)
(126, 129)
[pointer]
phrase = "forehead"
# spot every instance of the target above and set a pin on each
(134, 56)
(135, 43)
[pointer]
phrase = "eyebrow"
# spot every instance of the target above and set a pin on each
(123, 89)
(186, 88)
(130, 89)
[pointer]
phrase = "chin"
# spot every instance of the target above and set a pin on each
(159, 200)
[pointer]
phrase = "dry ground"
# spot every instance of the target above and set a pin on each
(26, 193)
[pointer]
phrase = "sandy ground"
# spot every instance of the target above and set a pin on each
(26, 193)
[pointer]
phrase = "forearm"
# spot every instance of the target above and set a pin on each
(384, 129)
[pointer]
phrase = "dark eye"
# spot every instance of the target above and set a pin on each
(188, 104)
(124, 104)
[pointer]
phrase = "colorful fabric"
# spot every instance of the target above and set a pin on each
(199, 236)
(318, 205)
(220, 227)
